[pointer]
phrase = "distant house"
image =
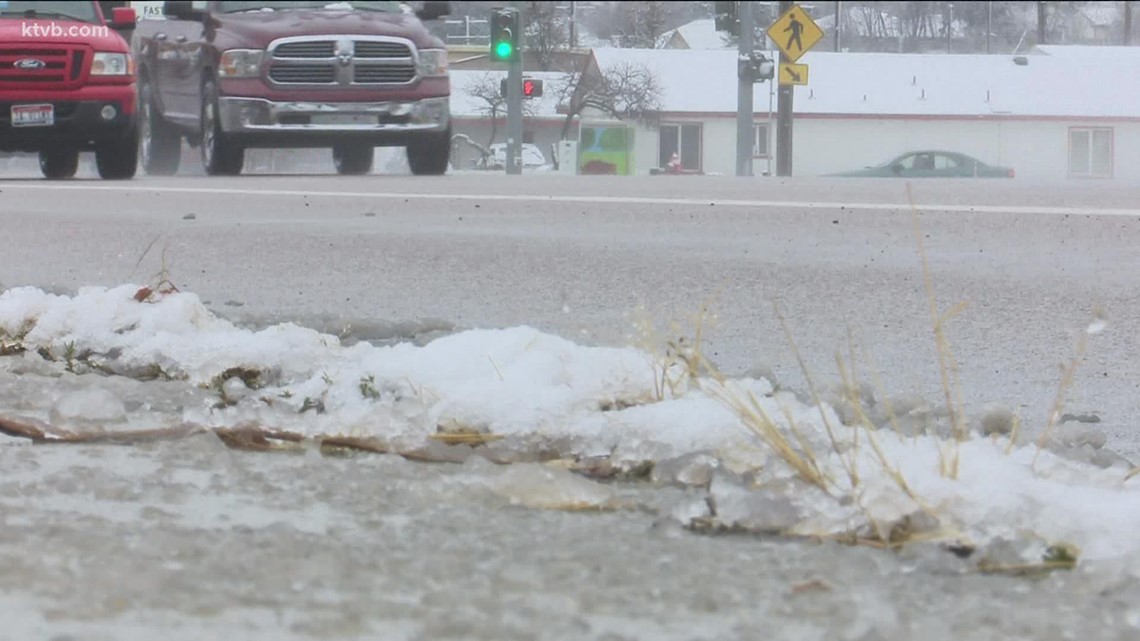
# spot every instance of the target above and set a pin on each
(698, 34)
(1060, 114)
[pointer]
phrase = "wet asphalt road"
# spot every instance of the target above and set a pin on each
(582, 256)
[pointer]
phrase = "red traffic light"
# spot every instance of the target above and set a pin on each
(531, 88)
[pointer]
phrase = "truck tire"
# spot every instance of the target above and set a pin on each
(220, 156)
(59, 163)
(353, 159)
(160, 146)
(118, 160)
(429, 155)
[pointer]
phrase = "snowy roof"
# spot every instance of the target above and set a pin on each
(464, 105)
(699, 34)
(904, 84)
(1108, 53)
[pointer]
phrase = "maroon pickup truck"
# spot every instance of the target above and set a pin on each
(350, 76)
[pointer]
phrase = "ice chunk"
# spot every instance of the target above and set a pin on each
(93, 405)
(540, 486)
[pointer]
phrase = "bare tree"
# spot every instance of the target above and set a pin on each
(546, 31)
(487, 87)
(641, 24)
(624, 91)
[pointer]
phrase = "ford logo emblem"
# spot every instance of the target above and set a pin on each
(29, 63)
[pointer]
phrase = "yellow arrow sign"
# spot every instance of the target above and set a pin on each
(795, 33)
(793, 74)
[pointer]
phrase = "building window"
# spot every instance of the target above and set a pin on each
(1090, 152)
(760, 140)
(683, 140)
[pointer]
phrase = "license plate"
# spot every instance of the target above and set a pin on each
(343, 119)
(33, 115)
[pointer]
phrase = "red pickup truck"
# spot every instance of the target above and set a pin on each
(228, 75)
(67, 84)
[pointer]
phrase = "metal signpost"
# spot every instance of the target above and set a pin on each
(794, 34)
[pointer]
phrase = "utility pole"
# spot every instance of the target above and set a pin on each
(949, 27)
(784, 116)
(573, 25)
(1127, 22)
(1040, 22)
(744, 86)
(989, 24)
(838, 23)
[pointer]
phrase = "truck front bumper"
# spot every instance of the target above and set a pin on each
(293, 122)
(83, 124)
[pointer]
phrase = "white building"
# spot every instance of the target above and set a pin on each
(1064, 113)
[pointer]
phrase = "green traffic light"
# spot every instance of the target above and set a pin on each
(503, 50)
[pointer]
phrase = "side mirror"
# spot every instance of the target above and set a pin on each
(432, 10)
(182, 10)
(123, 18)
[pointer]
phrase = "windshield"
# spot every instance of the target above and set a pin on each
(80, 11)
(234, 6)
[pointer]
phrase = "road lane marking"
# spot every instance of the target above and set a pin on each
(602, 200)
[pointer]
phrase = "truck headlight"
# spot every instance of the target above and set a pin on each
(241, 63)
(112, 64)
(433, 62)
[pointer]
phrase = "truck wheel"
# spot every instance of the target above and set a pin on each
(160, 146)
(118, 160)
(429, 156)
(220, 156)
(59, 163)
(353, 159)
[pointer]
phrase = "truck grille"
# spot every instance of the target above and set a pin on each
(382, 74)
(374, 49)
(306, 74)
(47, 67)
(343, 60)
(305, 49)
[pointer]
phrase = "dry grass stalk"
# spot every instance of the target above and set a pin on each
(43, 434)
(1068, 374)
(848, 466)
(257, 439)
(1132, 474)
(466, 438)
(330, 444)
(1014, 434)
(946, 364)
(755, 418)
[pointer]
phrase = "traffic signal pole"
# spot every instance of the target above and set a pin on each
(784, 116)
(514, 115)
(744, 134)
(506, 38)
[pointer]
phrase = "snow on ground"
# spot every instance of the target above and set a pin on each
(538, 388)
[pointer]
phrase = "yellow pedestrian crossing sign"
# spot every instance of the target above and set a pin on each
(793, 74)
(795, 33)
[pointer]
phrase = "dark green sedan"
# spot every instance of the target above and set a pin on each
(932, 164)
